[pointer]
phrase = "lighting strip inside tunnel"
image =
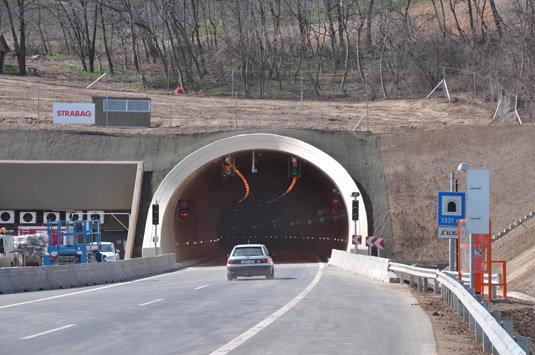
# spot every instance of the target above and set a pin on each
(290, 188)
(246, 186)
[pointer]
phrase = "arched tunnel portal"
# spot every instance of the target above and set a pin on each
(255, 188)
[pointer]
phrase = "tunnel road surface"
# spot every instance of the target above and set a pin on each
(308, 309)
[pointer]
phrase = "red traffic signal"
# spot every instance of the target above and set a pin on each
(336, 211)
(183, 214)
(355, 210)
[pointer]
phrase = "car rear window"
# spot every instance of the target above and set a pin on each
(248, 251)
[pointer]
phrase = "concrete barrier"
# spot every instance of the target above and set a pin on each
(369, 266)
(5, 285)
(23, 279)
(61, 276)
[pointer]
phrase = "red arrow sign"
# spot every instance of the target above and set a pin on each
(357, 239)
(375, 242)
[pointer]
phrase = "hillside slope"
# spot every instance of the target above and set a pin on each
(417, 164)
(518, 248)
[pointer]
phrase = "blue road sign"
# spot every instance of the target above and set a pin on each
(451, 208)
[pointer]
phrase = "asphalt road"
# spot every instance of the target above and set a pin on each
(197, 311)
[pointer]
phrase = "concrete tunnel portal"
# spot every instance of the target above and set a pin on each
(255, 188)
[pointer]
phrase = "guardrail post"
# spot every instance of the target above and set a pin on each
(497, 314)
(435, 286)
(411, 281)
(479, 333)
(486, 305)
(507, 325)
(523, 342)
(487, 345)
(426, 285)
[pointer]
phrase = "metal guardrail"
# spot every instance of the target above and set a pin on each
(488, 330)
(466, 277)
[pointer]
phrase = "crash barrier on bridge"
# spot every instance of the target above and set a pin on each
(364, 265)
(494, 336)
(36, 278)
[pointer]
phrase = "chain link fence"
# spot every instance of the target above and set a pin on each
(29, 100)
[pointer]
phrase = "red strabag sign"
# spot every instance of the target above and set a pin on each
(74, 113)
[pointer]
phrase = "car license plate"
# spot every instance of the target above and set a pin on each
(247, 261)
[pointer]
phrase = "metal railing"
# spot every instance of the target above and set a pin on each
(491, 334)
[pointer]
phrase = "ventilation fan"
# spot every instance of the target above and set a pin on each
(74, 216)
(7, 217)
(95, 216)
(26, 217)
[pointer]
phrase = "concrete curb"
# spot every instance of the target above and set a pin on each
(37, 278)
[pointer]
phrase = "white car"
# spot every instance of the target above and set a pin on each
(250, 260)
(108, 251)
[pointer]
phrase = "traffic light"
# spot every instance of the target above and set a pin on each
(294, 168)
(228, 165)
(355, 210)
(155, 214)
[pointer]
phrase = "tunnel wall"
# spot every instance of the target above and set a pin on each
(359, 153)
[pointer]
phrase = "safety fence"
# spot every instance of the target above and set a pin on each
(37, 278)
(495, 335)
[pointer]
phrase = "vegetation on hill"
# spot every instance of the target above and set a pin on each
(266, 48)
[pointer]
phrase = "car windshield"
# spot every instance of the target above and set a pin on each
(248, 251)
(106, 248)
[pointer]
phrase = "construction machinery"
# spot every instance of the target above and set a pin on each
(73, 242)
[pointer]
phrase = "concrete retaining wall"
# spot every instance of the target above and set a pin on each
(364, 265)
(24, 279)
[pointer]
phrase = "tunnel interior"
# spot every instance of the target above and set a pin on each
(266, 197)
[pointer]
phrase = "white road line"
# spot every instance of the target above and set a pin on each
(150, 302)
(243, 337)
(86, 291)
(48, 332)
(203, 286)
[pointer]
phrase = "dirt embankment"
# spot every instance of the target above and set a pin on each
(518, 249)
(26, 103)
(417, 164)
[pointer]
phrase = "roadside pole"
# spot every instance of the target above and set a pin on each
(452, 243)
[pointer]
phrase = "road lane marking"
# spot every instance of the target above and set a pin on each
(203, 286)
(102, 287)
(86, 291)
(47, 332)
(243, 337)
(150, 302)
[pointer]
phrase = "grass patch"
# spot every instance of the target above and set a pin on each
(57, 57)
(73, 69)
(11, 69)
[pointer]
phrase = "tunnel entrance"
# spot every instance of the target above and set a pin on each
(255, 188)
(260, 196)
